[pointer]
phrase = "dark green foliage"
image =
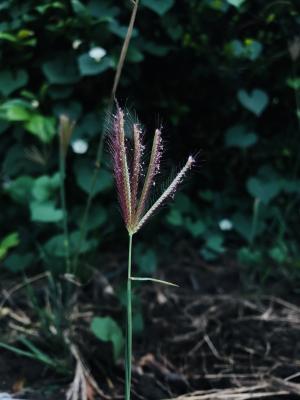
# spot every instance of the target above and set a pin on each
(221, 75)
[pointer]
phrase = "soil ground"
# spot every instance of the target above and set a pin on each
(211, 338)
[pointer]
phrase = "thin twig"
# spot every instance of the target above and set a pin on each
(98, 161)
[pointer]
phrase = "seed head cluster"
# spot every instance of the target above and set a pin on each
(132, 192)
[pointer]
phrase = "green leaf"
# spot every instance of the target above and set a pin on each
(196, 228)
(45, 212)
(237, 136)
(96, 218)
(61, 71)
(89, 66)
(137, 323)
(291, 186)
(213, 247)
(72, 109)
(78, 7)
(84, 172)
(253, 49)
(155, 49)
(236, 3)
(278, 254)
(12, 80)
(56, 247)
(293, 83)
(19, 262)
(103, 10)
(250, 49)
(45, 187)
(21, 38)
(243, 225)
(145, 259)
(88, 127)
(215, 243)
(16, 110)
(255, 101)
(3, 126)
(42, 9)
(134, 55)
(10, 241)
(249, 256)
(160, 7)
(182, 203)
(8, 36)
(20, 189)
(174, 217)
(263, 190)
(219, 5)
(60, 91)
(42, 127)
(107, 330)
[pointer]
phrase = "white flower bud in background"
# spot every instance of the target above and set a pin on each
(35, 103)
(294, 48)
(79, 146)
(225, 225)
(76, 44)
(97, 53)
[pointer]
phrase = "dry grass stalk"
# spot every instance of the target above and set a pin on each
(83, 386)
(244, 393)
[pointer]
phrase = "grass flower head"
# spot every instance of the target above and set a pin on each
(133, 192)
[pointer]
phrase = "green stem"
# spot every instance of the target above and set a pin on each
(256, 205)
(62, 172)
(128, 353)
(297, 101)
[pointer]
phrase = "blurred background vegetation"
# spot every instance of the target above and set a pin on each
(220, 76)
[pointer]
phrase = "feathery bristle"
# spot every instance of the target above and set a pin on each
(136, 164)
(121, 166)
(153, 170)
(167, 193)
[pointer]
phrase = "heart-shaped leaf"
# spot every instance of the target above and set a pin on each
(236, 3)
(255, 101)
(20, 189)
(263, 190)
(55, 246)
(160, 7)
(45, 212)
(84, 172)
(62, 70)
(89, 66)
(10, 241)
(107, 330)
(19, 262)
(12, 80)
(45, 187)
(249, 48)
(237, 136)
(42, 127)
